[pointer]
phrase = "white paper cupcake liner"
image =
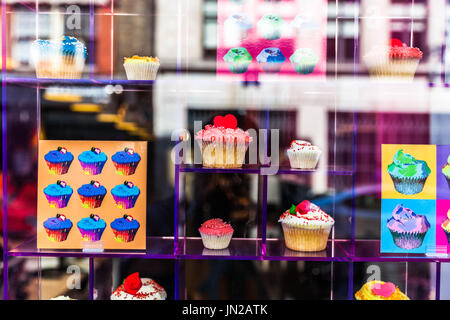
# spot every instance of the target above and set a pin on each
(59, 66)
(271, 67)
(223, 155)
(303, 239)
(303, 159)
(215, 242)
(141, 70)
(383, 68)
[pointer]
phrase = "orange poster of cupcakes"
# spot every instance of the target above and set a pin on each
(92, 192)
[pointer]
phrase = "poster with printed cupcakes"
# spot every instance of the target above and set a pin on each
(271, 40)
(92, 192)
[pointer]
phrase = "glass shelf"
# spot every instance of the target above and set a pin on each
(157, 248)
(369, 250)
(276, 250)
(256, 169)
(45, 83)
(239, 249)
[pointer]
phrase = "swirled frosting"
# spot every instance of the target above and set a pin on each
(405, 165)
(56, 156)
(301, 145)
(446, 168)
(405, 220)
(380, 290)
(150, 290)
(238, 54)
(446, 224)
(213, 133)
(271, 54)
(239, 20)
(304, 56)
(306, 215)
(216, 227)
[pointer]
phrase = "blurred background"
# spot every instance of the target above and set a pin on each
(343, 112)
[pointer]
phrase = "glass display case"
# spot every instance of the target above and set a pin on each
(341, 105)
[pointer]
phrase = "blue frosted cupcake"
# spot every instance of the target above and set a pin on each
(92, 161)
(58, 161)
(125, 228)
(271, 59)
(238, 59)
(57, 228)
(91, 228)
(126, 161)
(92, 194)
(58, 194)
(125, 195)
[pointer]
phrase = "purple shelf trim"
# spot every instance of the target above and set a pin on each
(255, 169)
(4, 155)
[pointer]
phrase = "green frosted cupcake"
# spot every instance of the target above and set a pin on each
(238, 59)
(446, 171)
(304, 60)
(408, 174)
(270, 26)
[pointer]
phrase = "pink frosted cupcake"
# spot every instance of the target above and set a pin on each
(396, 61)
(223, 144)
(303, 155)
(216, 234)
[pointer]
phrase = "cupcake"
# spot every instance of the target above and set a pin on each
(58, 194)
(125, 195)
(408, 174)
(91, 228)
(380, 290)
(92, 161)
(62, 298)
(446, 226)
(396, 61)
(43, 57)
(270, 59)
(270, 26)
(303, 155)
(223, 145)
(304, 60)
(236, 28)
(306, 227)
(92, 194)
(58, 161)
(57, 228)
(446, 171)
(141, 68)
(59, 59)
(136, 288)
(126, 161)
(125, 228)
(238, 59)
(216, 234)
(72, 56)
(407, 228)
(303, 24)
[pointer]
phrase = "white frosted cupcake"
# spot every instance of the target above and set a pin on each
(303, 155)
(236, 29)
(216, 234)
(306, 227)
(62, 298)
(136, 288)
(141, 68)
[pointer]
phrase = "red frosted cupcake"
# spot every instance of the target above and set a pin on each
(395, 61)
(216, 234)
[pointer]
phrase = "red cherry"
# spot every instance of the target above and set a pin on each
(396, 43)
(219, 121)
(132, 283)
(230, 121)
(303, 207)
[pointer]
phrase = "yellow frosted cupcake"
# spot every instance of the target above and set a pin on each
(306, 227)
(141, 68)
(380, 290)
